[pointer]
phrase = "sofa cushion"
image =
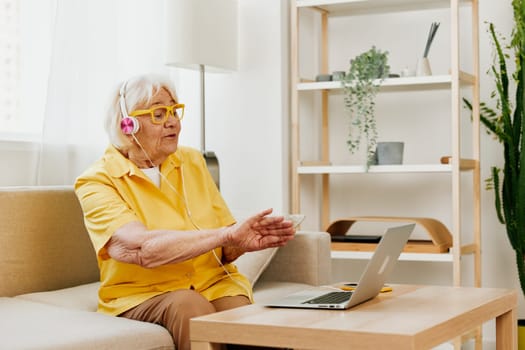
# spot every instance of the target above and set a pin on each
(28, 325)
(83, 297)
(305, 259)
(45, 245)
(253, 264)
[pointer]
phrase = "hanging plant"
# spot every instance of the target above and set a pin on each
(361, 84)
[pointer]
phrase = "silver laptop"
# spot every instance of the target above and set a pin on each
(370, 284)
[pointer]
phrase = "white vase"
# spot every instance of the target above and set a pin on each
(423, 67)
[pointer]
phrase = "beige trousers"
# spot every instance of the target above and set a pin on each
(173, 311)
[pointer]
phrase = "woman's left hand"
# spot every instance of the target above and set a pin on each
(260, 231)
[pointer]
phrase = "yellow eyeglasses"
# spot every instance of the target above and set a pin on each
(160, 114)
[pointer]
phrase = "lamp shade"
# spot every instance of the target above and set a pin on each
(201, 32)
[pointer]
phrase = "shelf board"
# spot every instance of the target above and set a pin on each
(431, 257)
(325, 167)
(357, 7)
(464, 164)
(432, 82)
(360, 169)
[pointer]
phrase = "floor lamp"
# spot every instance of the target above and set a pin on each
(202, 35)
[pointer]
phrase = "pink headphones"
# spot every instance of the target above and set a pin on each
(128, 125)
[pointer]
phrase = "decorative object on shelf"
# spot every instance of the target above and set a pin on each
(440, 238)
(423, 67)
(407, 72)
(507, 126)
(423, 64)
(338, 75)
(361, 84)
(389, 153)
(323, 77)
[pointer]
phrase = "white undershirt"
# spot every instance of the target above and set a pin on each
(153, 174)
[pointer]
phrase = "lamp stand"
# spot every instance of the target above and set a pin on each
(211, 159)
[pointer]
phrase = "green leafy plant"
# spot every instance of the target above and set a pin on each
(505, 123)
(361, 84)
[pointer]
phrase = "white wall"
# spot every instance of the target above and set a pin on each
(246, 112)
(20, 161)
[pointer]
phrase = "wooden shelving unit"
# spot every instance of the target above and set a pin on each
(452, 166)
(454, 82)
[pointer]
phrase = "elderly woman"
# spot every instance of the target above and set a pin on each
(164, 237)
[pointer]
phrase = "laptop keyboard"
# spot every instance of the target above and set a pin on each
(330, 298)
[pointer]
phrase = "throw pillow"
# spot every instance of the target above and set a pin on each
(253, 264)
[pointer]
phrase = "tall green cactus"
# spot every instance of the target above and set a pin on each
(506, 124)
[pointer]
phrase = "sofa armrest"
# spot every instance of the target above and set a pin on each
(305, 259)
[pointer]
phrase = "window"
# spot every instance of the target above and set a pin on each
(25, 52)
(9, 61)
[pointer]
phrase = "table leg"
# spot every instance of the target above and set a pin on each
(506, 331)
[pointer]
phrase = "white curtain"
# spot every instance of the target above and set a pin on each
(96, 44)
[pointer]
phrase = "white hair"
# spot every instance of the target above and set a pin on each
(136, 91)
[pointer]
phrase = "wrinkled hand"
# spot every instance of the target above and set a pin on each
(260, 232)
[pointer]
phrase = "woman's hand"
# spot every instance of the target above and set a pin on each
(260, 232)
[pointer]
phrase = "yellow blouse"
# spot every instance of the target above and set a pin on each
(114, 191)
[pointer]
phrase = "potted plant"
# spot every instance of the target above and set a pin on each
(361, 84)
(505, 123)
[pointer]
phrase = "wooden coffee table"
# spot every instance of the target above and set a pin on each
(410, 317)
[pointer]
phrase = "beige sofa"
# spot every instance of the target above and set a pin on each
(49, 274)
